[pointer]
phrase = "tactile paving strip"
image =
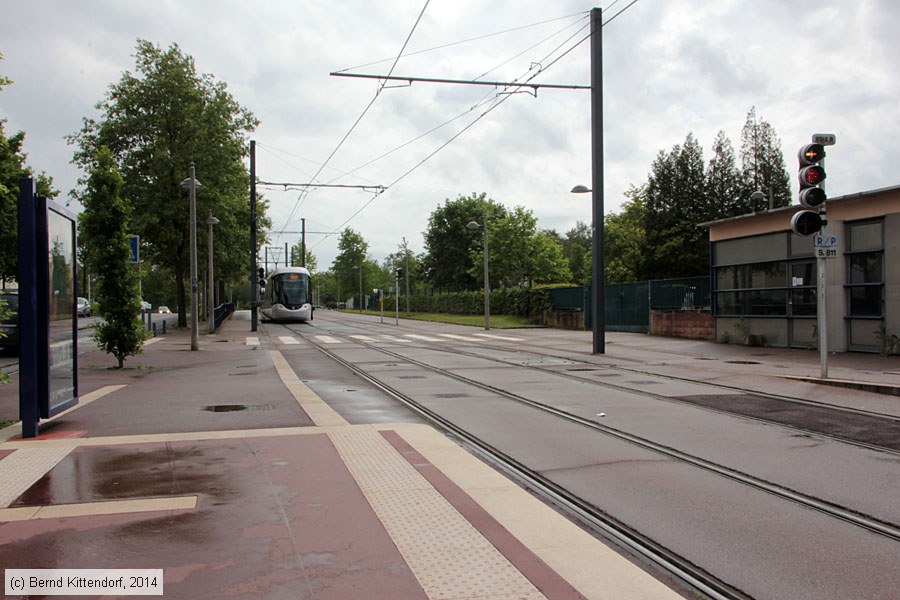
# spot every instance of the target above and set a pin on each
(448, 556)
(22, 468)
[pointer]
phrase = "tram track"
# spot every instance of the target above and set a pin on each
(581, 510)
(857, 423)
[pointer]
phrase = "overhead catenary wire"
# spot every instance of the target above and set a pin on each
(498, 100)
(365, 110)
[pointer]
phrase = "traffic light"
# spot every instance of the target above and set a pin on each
(399, 273)
(261, 276)
(812, 174)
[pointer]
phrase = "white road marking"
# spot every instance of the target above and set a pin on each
(253, 341)
(499, 337)
(327, 339)
(288, 339)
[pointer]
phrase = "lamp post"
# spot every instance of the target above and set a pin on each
(598, 316)
(359, 268)
(191, 184)
(210, 291)
(487, 284)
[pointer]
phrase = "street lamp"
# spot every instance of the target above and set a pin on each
(210, 291)
(487, 285)
(355, 267)
(191, 184)
(598, 315)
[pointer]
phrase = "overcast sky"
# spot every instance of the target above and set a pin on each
(671, 67)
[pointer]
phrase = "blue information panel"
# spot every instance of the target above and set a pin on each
(48, 326)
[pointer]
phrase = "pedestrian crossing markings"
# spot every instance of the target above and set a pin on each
(406, 338)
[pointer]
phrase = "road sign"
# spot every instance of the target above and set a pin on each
(825, 241)
(825, 139)
(826, 252)
(134, 242)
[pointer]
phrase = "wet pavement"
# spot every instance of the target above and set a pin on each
(223, 468)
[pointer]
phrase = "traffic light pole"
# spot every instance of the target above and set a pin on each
(821, 303)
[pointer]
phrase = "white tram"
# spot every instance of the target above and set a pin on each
(286, 296)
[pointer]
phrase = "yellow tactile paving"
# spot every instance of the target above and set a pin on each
(448, 556)
(588, 564)
(22, 468)
(320, 413)
(85, 509)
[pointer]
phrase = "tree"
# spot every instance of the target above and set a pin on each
(723, 181)
(625, 240)
(449, 250)
(577, 249)
(519, 253)
(13, 168)
(676, 202)
(762, 164)
(104, 226)
(297, 251)
(157, 122)
(352, 257)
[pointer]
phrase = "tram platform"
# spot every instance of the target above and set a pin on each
(224, 469)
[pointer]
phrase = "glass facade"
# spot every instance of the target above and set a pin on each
(865, 283)
(781, 286)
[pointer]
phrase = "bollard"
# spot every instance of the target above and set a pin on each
(154, 330)
(164, 327)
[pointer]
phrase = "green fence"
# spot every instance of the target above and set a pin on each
(628, 305)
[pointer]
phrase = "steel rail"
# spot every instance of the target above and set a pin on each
(598, 521)
(856, 518)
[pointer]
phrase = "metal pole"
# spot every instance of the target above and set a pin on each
(397, 298)
(597, 304)
(821, 302)
(211, 311)
(303, 244)
(360, 289)
(254, 288)
(487, 282)
(195, 305)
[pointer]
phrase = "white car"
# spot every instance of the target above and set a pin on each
(164, 310)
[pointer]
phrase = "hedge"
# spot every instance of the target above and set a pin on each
(522, 302)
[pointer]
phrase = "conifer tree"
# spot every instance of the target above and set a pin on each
(103, 227)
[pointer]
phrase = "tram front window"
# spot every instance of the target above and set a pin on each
(291, 292)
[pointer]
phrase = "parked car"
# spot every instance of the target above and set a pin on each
(83, 307)
(10, 324)
(164, 310)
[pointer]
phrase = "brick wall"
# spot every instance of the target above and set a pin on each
(564, 319)
(693, 325)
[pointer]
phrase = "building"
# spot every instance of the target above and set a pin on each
(764, 277)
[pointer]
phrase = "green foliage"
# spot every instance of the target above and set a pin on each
(577, 249)
(889, 342)
(13, 168)
(452, 250)
(4, 314)
(156, 122)
(625, 240)
(103, 227)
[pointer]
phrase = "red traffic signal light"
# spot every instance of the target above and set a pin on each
(806, 222)
(810, 176)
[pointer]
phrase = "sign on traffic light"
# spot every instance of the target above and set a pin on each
(812, 195)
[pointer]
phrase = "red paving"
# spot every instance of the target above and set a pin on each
(278, 517)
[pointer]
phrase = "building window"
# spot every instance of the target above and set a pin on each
(865, 269)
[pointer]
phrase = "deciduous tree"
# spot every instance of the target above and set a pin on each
(157, 121)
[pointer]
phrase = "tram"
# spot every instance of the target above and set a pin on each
(286, 295)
